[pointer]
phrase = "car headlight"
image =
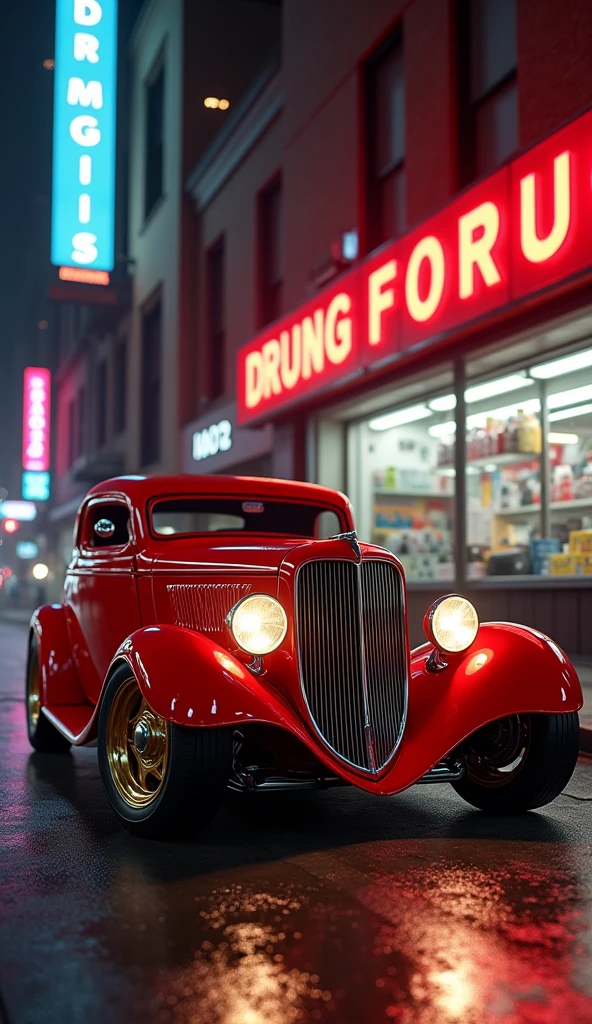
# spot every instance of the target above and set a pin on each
(258, 623)
(451, 624)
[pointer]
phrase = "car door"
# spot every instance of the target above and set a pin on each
(101, 588)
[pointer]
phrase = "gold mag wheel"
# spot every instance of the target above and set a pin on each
(137, 746)
(33, 693)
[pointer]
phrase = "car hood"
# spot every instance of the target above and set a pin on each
(190, 555)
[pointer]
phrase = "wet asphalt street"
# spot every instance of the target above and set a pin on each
(336, 907)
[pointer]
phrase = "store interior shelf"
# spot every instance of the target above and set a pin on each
(556, 506)
(503, 459)
(396, 493)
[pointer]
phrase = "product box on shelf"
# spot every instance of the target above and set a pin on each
(580, 542)
(570, 565)
(541, 550)
(565, 565)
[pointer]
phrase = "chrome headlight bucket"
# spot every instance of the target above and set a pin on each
(258, 623)
(451, 624)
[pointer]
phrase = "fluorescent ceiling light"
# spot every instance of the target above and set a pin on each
(497, 387)
(490, 467)
(442, 429)
(399, 418)
(563, 438)
(577, 361)
(569, 397)
(566, 414)
(443, 404)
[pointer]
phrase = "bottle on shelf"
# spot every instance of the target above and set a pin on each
(529, 433)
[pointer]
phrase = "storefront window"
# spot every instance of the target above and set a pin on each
(503, 475)
(528, 470)
(567, 384)
(405, 494)
(529, 497)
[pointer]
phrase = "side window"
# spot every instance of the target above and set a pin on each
(106, 526)
(327, 525)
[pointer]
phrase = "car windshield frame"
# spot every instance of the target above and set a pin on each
(307, 503)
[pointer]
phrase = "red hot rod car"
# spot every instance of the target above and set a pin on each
(209, 637)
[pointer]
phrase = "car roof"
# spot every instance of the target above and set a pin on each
(140, 489)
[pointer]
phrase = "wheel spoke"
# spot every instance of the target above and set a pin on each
(142, 770)
(134, 721)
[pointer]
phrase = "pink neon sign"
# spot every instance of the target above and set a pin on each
(37, 391)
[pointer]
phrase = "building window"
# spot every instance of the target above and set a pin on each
(120, 386)
(102, 404)
(81, 423)
(386, 144)
(154, 139)
(71, 432)
(270, 252)
(151, 386)
(216, 318)
(488, 86)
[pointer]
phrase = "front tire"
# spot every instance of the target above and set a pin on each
(43, 736)
(162, 780)
(518, 763)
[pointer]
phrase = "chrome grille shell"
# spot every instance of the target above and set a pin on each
(353, 656)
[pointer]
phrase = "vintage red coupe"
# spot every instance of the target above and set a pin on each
(210, 637)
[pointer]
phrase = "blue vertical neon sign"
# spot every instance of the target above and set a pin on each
(84, 124)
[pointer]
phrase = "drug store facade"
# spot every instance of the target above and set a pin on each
(446, 385)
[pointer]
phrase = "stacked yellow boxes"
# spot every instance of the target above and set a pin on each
(578, 560)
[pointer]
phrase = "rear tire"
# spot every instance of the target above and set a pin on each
(43, 736)
(176, 784)
(519, 763)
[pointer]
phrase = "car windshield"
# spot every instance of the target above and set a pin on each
(182, 516)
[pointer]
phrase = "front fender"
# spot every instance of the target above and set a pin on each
(509, 670)
(188, 679)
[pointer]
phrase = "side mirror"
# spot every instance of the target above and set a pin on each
(104, 528)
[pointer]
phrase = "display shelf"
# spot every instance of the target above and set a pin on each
(395, 493)
(504, 459)
(556, 506)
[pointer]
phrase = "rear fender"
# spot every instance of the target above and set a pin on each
(60, 683)
(188, 679)
(509, 670)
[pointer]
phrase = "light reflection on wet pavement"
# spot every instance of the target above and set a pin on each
(332, 907)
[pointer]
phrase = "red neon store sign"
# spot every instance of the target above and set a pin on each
(36, 419)
(523, 229)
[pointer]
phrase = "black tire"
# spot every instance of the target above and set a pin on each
(549, 751)
(194, 780)
(43, 736)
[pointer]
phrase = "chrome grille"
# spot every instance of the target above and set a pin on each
(204, 606)
(352, 653)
